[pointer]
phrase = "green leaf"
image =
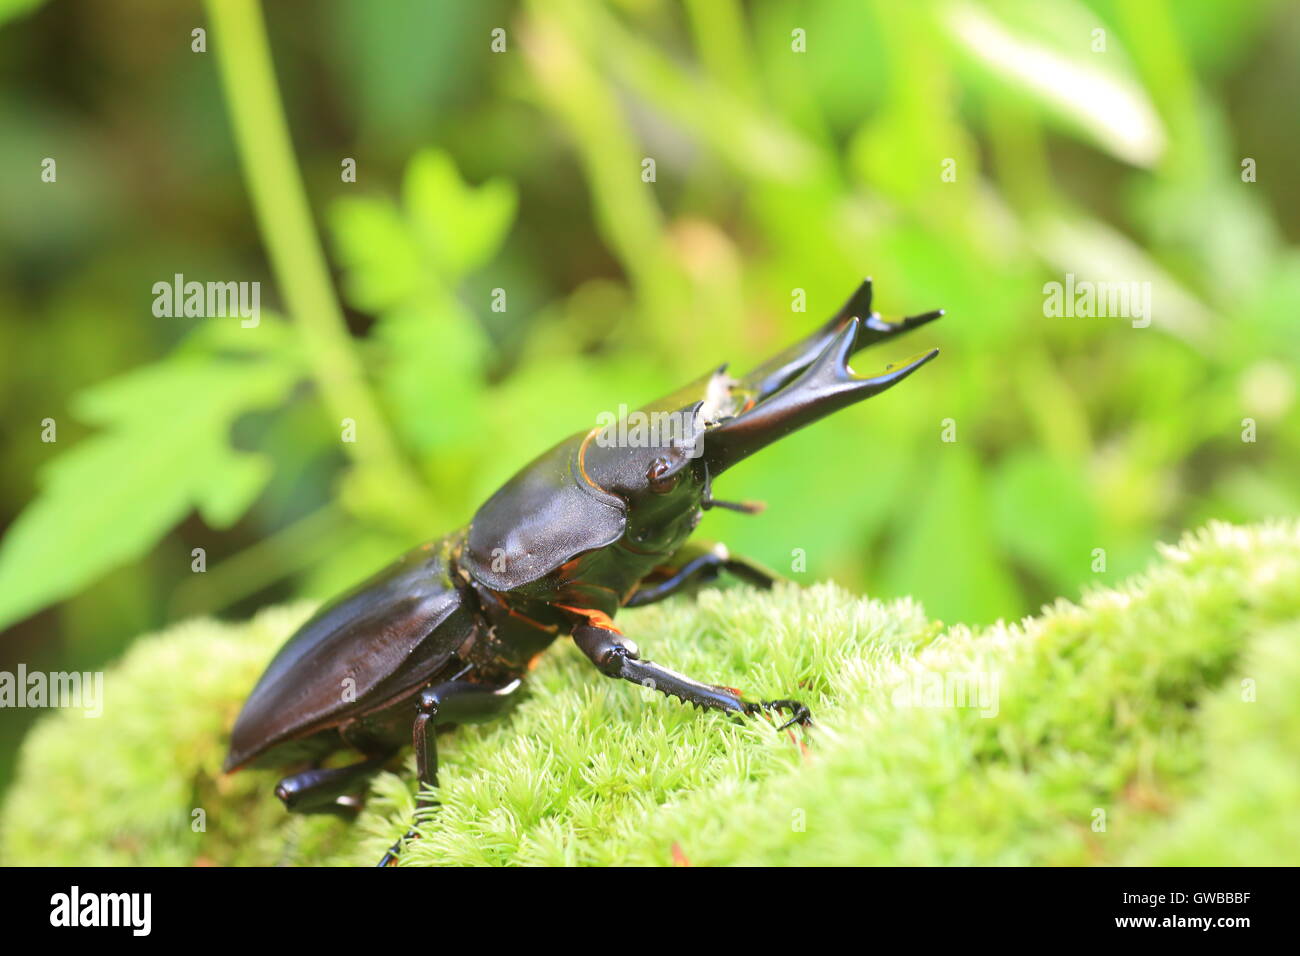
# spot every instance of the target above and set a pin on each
(1044, 54)
(234, 488)
(108, 500)
(403, 264)
(459, 227)
(434, 372)
(12, 9)
(380, 258)
(443, 230)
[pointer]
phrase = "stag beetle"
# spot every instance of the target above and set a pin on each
(446, 634)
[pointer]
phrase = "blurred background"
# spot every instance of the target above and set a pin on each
(963, 154)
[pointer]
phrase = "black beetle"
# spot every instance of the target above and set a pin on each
(599, 522)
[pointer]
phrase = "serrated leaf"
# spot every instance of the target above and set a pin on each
(272, 338)
(381, 259)
(435, 364)
(234, 489)
(443, 230)
(460, 227)
(112, 497)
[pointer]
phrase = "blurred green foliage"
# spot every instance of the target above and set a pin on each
(776, 171)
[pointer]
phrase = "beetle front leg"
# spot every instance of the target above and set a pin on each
(616, 656)
(694, 564)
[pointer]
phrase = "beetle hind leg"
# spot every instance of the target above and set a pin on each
(328, 789)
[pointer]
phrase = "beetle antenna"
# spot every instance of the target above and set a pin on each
(744, 507)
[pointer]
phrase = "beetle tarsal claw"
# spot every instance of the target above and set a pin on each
(800, 714)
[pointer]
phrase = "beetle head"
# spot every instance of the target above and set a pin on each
(662, 459)
(651, 458)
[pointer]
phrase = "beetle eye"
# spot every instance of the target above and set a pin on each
(660, 482)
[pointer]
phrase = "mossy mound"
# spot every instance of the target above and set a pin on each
(1154, 723)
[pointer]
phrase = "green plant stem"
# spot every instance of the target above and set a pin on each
(284, 219)
(630, 219)
(719, 30)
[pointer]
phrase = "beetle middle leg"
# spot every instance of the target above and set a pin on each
(616, 656)
(451, 702)
(696, 564)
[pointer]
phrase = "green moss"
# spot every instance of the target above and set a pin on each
(1165, 708)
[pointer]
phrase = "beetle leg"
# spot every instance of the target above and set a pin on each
(700, 565)
(322, 789)
(451, 702)
(616, 656)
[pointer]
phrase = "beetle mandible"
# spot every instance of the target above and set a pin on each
(446, 634)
